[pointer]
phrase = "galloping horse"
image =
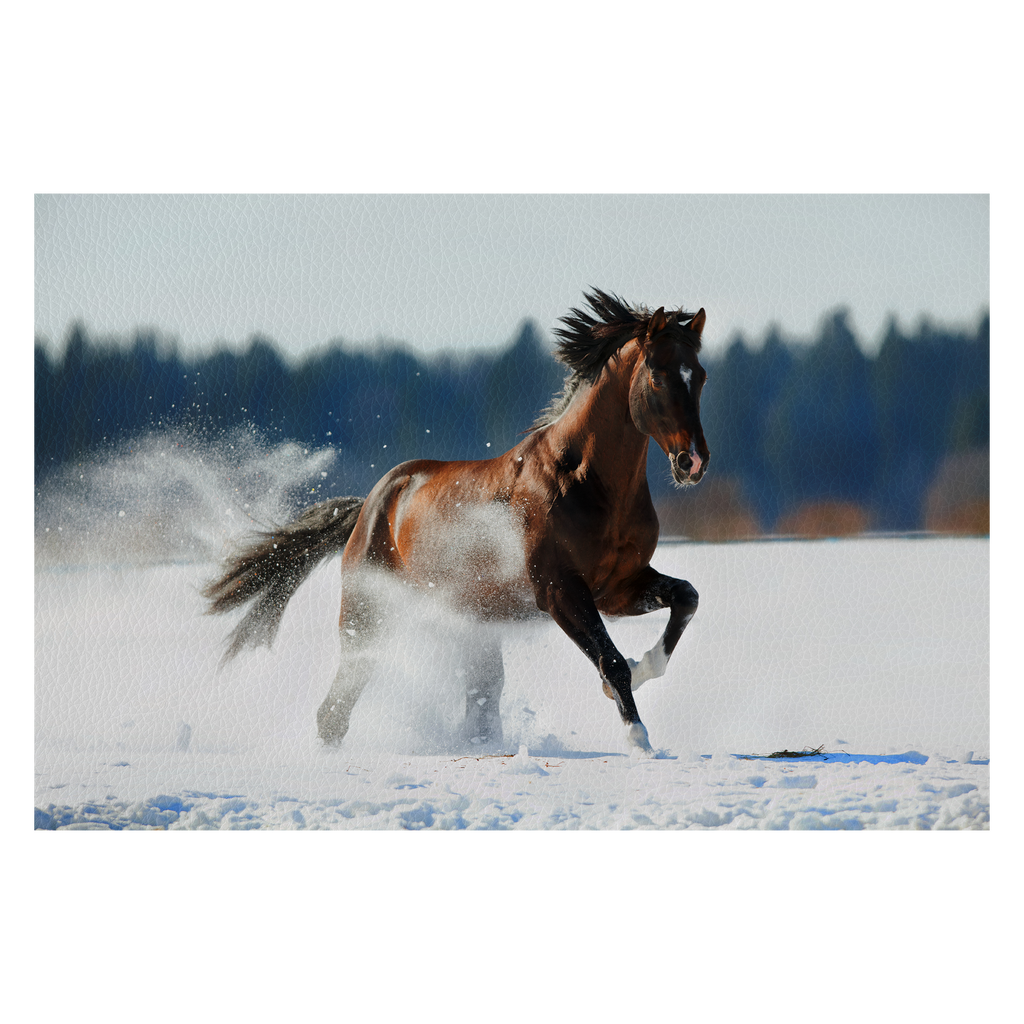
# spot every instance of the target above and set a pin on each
(562, 523)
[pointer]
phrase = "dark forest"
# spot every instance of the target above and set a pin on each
(811, 439)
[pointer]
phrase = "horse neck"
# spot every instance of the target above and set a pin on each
(598, 428)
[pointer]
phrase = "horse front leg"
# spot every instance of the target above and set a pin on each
(652, 591)
(571, 604)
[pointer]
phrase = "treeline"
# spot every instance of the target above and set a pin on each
(787, 424)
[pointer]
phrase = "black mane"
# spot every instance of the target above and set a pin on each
(587, 342)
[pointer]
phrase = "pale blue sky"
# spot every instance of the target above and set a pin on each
(453, 272)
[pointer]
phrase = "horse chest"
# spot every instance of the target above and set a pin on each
(605, 543)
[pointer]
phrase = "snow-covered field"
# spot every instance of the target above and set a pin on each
(874, 649)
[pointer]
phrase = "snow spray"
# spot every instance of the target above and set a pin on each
(173, 496)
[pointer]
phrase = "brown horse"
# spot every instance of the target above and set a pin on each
(562, 523)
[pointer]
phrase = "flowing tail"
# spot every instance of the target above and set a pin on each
(274, 566)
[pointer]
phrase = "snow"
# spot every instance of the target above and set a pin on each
(874, 649)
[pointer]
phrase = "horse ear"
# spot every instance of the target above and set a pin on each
(697, 323)
(658, 322)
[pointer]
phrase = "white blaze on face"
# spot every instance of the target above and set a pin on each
(687, 376)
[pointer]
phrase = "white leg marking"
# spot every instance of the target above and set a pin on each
(651, 666)
(637, 736)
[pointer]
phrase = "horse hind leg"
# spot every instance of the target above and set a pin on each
(334, 714)
(485, 679)
(359, 629)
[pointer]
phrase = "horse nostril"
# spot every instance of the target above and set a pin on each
(684, 462)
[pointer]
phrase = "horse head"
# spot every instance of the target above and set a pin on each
(664, 393)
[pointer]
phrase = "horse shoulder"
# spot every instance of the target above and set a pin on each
(580, 530)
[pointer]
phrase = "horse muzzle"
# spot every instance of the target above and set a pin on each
(687, 467)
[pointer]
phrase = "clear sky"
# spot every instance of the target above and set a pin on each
(462, 271)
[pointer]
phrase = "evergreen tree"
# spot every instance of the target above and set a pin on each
(823, 443)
